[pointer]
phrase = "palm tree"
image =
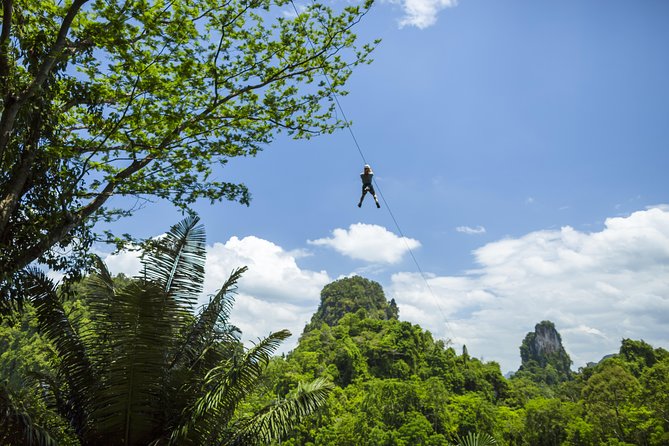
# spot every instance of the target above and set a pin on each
(476, 439)
(139, 368)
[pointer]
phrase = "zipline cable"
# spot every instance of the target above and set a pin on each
(385, 202)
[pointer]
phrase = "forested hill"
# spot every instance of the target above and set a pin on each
(397, 385)
(350, 295)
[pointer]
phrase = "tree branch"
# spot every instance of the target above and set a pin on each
(7, 7)
(16, 186)
(12, 107)
(74, 220)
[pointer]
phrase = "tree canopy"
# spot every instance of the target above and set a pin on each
(348, 295)
(149, 98)
(396, 385)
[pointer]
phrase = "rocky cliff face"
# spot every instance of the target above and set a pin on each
(544, 341)
(542, 349)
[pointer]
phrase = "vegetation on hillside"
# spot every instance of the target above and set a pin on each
(397, 385)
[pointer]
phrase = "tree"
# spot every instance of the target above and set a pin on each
(23, 412)
(655, 392)
(141, 369)
(470, 412)
(148, 98)
(18, 427)
(638, 355)
(609, 394)
(545, 422)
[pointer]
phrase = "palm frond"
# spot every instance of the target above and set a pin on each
(176, 261)
(17, 426)
(202, 332)
(100, 269)
(276, 420)
(74, 365)
(128, 403)
(477, 439)
(51, 391)
(99, 295)
(224, 388)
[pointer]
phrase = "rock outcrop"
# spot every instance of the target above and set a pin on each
(543, 354)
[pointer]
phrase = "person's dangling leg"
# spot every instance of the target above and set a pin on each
(362, 197)
(373, 192)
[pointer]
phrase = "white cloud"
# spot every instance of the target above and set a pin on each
(471, 231)
(125, 262)
(371, 243)
(274, 293)
(596, 287)
(422, 13)
(663, 207)
(273, 272)
(257, 317)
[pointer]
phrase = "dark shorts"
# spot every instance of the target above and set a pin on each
(368, 188)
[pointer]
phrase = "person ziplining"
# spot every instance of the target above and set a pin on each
(366, 177)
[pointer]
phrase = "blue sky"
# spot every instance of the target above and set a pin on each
(522, 147)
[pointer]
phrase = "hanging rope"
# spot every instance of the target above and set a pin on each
(376, 185)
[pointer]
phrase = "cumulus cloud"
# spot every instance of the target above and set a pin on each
(274, 293)
(664, 207)
(371, 243)
(124, 262)
(471, 231)
(596, 287)
(273, 272)
(422, 13)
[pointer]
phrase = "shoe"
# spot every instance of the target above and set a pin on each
(378, 205)
(359, 204)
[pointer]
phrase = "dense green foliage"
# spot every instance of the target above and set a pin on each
(128, 363)
(394, 385)
(349, 295)
(397, 385)
(150, 98)
(24, 413)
